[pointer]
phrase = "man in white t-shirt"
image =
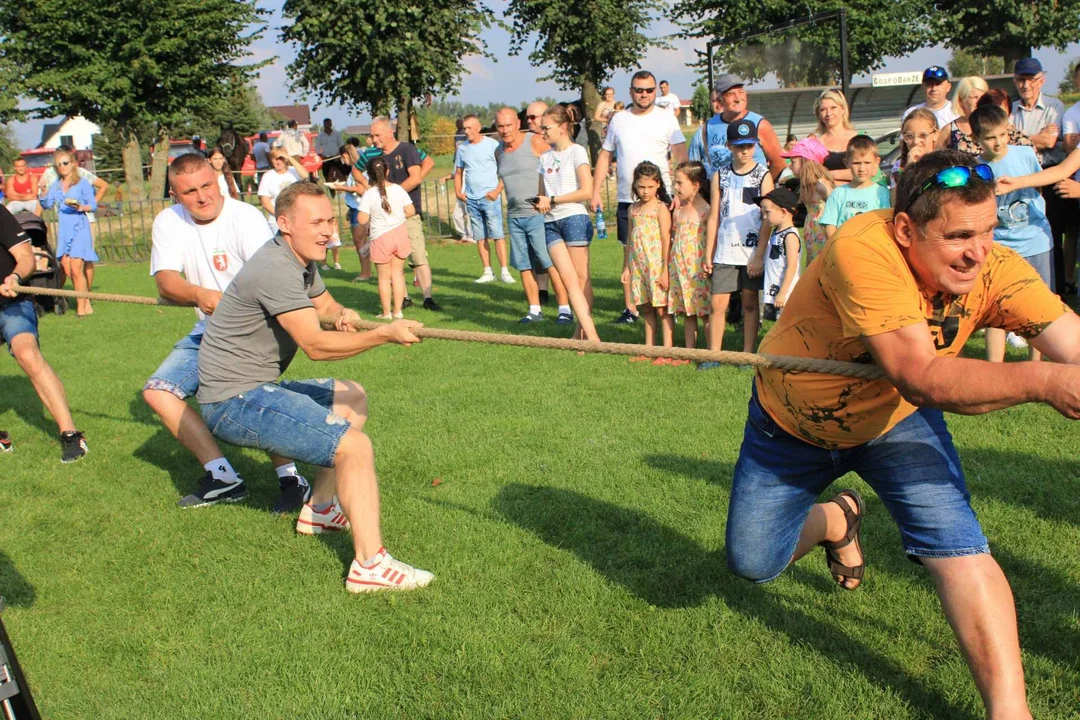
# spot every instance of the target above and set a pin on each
(294, 142)
(936, 86)
(199, 245)
(642, 132)
(669, 100)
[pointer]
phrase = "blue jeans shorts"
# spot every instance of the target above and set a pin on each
(179, 372)
(292, 418)
(485, 217)
(913, 468)
(16, 318)
(354, 217)
(575, 231)
(528, 249)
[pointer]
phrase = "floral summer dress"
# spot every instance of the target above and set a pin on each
(688, 293)
(646, 258)
(813, 233)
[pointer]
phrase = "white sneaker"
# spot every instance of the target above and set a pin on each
(324, 266)
(337, 266)
(386, 573)
(507, 277)
(384, 316)
(487, 277)
(1015, 341)
(311, 522)
(399, 316)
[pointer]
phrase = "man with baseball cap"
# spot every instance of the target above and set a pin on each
(709, 145)
(936, 86)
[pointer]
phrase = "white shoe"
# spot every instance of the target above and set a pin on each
(399, 316)
(324, 266)
(385, 573)
(384, 316)
(1015, 341)
(507, 277)
(311, 522)
(337, 266)
(487, 277)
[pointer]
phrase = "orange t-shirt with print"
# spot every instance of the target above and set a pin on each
(861, 286)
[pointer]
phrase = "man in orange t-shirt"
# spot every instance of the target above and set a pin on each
(905, 291)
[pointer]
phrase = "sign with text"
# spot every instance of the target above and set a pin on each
(901, 78)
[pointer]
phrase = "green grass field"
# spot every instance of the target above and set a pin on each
(577, 536)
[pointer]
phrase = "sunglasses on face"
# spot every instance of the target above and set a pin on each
(953, 177)
(643, 90)
(64, 163)
(535, 117)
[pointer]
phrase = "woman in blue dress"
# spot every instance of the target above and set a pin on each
(73, 198)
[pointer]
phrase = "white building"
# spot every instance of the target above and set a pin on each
(78, 132)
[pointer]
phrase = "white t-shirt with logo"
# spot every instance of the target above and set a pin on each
(669, 102)
(208, 255)
(382, 222)
(272, 184)
(636, 138)
(559, 170)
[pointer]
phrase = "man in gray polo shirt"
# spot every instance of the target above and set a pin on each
(271, 309)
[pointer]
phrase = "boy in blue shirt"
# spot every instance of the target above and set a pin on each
(1022, 224)
(862, 194)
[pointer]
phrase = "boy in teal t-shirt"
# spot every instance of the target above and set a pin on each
(862, 194)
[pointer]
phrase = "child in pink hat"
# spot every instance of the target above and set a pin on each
(815, 186)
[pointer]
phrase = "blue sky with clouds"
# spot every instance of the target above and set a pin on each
(513, 80)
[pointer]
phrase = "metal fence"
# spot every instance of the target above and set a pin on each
(122, 231)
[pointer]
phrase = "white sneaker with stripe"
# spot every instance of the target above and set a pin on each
(311, 522)
(385, 573)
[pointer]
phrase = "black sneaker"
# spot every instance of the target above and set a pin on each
(293, 495)
(564, 318)
(406, 303)
(72, 446)
(627, 318)
(430, 304)
(211, 491)
(545, 297)
(5, 441)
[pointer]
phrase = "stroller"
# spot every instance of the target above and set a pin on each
(47, 270)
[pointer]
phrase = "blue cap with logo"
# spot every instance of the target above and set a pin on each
(1028, 66)
(742, 132)
(935, 74)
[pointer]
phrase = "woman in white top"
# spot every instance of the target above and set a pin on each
(564, 188)
(384, 209)
(225, 179)
(279, 177)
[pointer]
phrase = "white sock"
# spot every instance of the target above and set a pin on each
(221, 470)
(487, 270)
(505, 270)
(286, 470)
(534, 309)
(565, 309)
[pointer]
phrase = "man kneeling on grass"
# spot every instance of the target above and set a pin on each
(271, 308)
(906, 290)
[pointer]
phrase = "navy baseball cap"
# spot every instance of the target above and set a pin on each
(1028, 66)
(935, 74)
(726, 82)
(782, 196)
(742, 132)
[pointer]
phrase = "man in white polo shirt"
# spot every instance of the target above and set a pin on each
(936, 86)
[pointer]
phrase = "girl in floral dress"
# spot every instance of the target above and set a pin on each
(688, 293)
(645, 266)
(815, 186)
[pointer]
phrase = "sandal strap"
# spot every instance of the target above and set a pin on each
(854, 522)
(854, 573)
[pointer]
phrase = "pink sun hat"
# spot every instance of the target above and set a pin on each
(810, 148)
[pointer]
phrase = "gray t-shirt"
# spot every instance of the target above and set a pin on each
(244, 345)
(517, 170)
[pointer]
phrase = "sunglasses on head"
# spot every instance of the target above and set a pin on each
(935, 74)
(643, 91)
(952, 177)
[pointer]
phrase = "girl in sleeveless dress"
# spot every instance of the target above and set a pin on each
(688, 292)
(645, 266)
(815, 186)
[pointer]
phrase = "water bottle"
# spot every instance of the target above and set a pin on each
(601, 226)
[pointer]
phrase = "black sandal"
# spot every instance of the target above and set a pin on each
(854, 527)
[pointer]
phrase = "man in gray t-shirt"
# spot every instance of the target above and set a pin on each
(276, 304)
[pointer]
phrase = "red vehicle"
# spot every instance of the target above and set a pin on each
(40, 159)
(311, 161)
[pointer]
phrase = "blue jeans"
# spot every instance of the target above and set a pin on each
(292, 418)
(575, 231)
(16, 318)
(179, 372)
(528, 249)
(913, 468)
(485, 217)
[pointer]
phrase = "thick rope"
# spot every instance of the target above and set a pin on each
(786, 363)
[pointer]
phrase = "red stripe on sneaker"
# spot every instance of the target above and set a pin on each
(386, 572)
(401, 578)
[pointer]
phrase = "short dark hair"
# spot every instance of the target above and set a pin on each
(187, 163)
(928, 202)
(641, 75)
(469, 117)
(291, 123)
(262, 137)
(994, 96)
(986, 118)
(354, 141)
(664, 82)
(289, 195)
(859, 144)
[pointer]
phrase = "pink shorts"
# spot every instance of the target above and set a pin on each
(390, 245)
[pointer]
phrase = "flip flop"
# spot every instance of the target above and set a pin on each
(853, 535)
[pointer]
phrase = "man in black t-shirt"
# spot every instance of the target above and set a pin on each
(18, 328)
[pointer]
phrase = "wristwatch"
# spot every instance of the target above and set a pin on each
(552, 199)
(19, 278)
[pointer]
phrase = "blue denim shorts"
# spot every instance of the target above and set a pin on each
(354, 217)
(485, 217)
(575, 231)
(179, 372)
(913, 468)
(16, 318)
(528, 249)
(293, 418)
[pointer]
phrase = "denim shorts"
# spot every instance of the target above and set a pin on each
(1044, 265)
(528, 248)
(485, 217)
(575, 231)
(913, 468)
(179, 372)
(17, 317)
(354, 217)
(292, 418)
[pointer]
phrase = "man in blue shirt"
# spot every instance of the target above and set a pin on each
(477, 183)
(709, 145)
